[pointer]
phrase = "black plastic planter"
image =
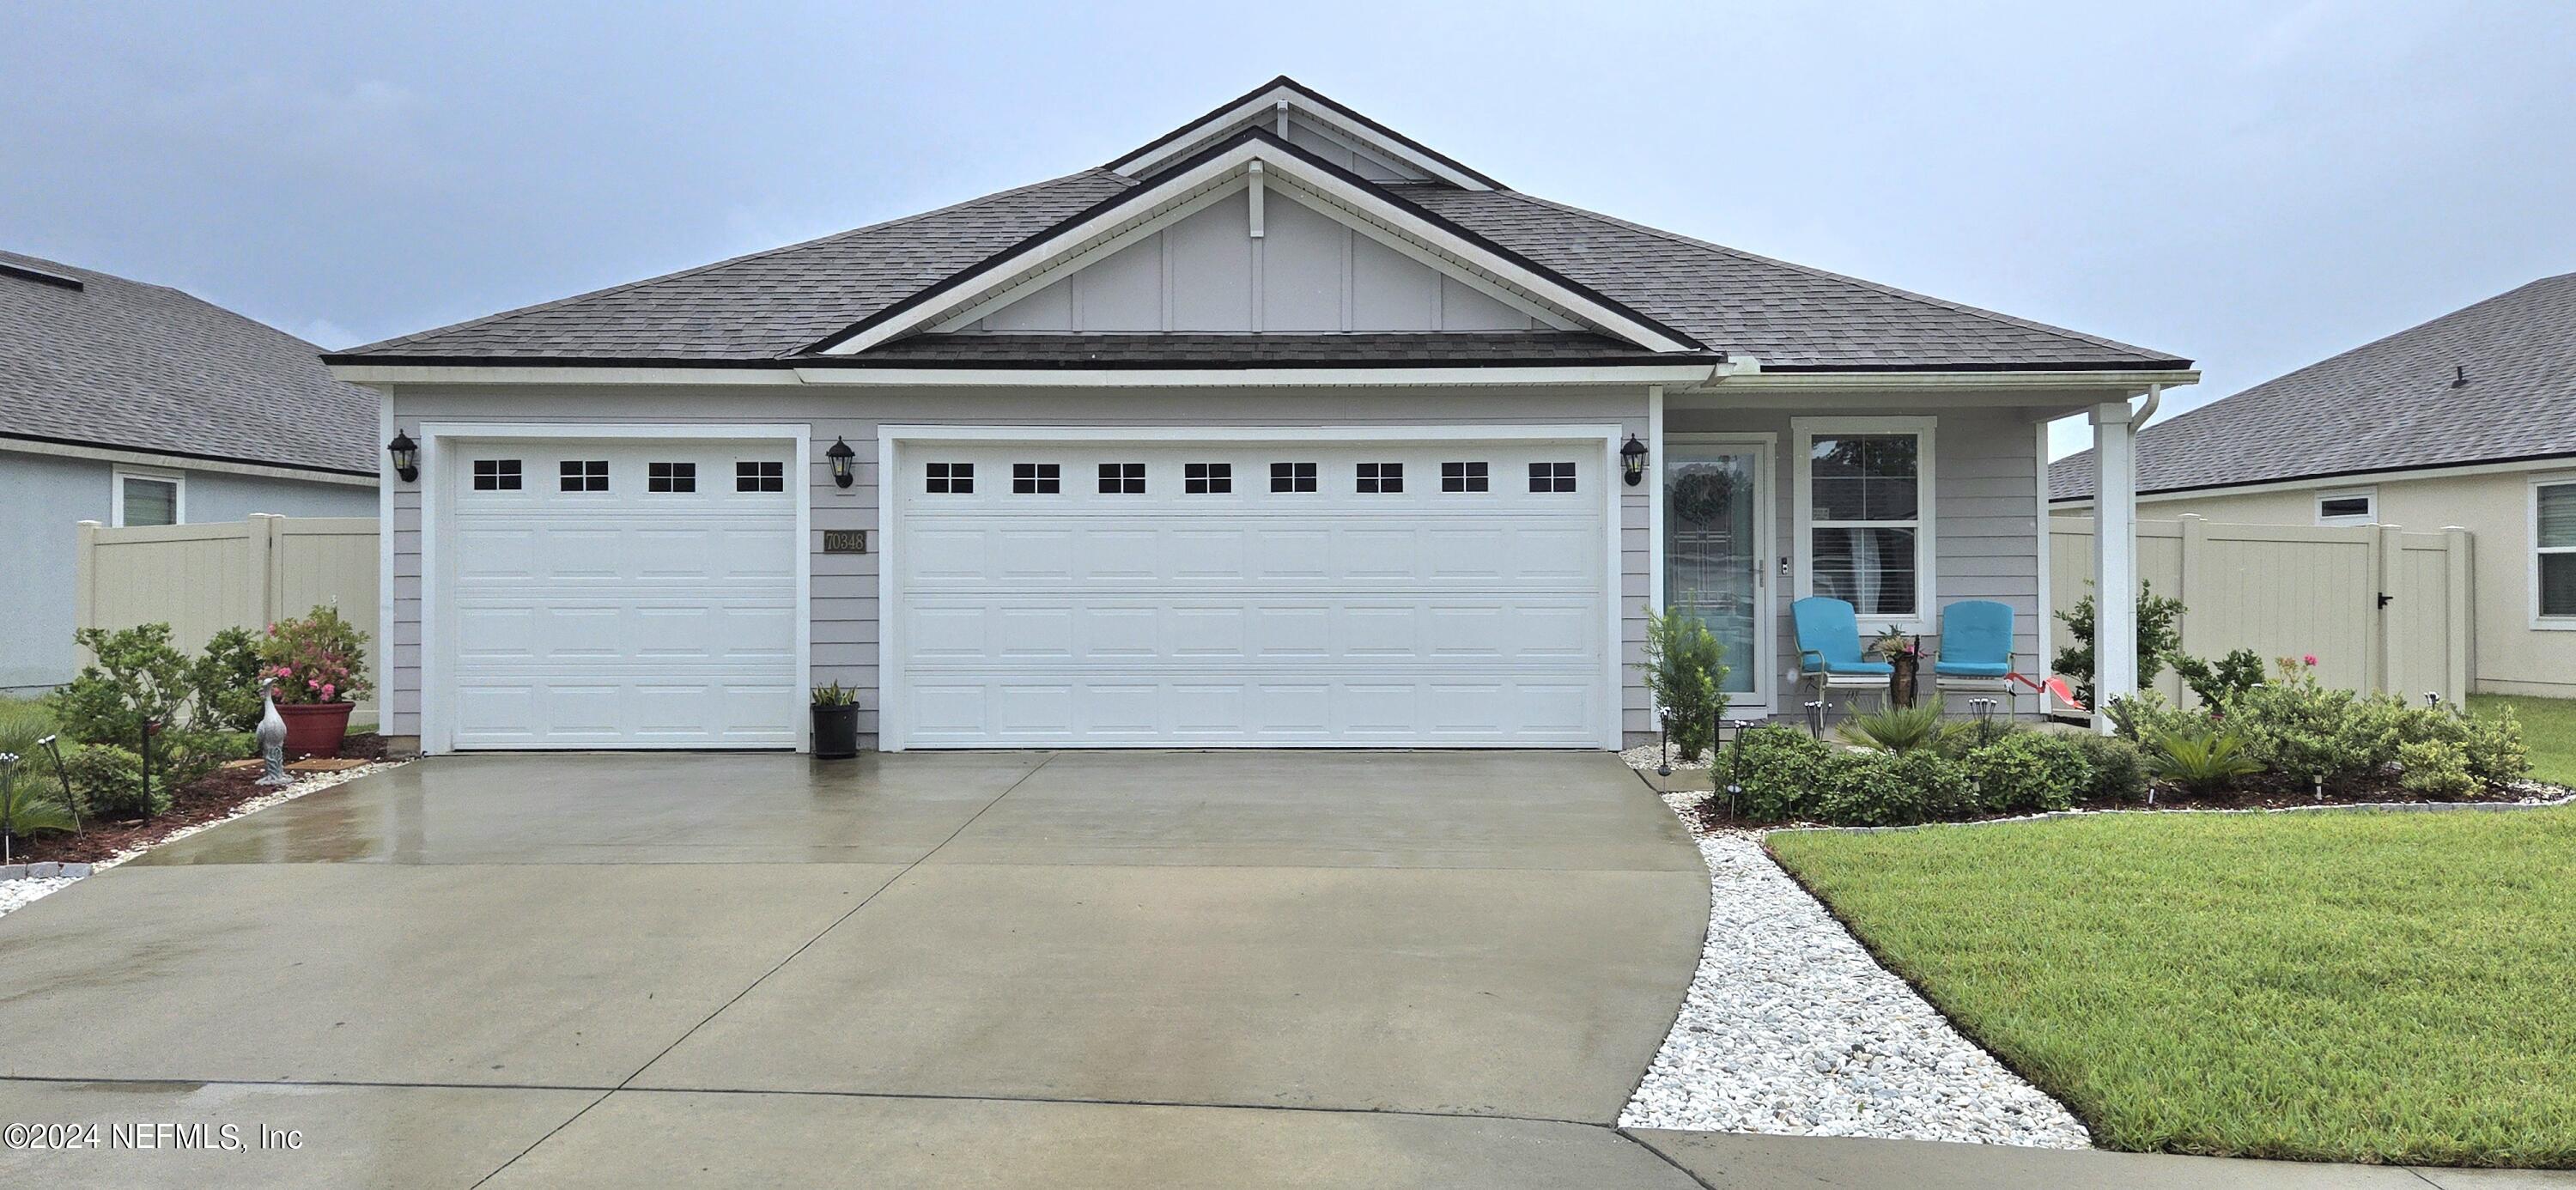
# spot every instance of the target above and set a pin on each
(836, 732)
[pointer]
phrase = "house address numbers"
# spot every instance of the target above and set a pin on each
(845, 541)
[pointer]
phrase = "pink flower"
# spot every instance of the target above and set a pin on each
(286, 671)
(2310, 659)
(326, 691)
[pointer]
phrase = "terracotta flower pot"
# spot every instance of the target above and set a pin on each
(314, 728)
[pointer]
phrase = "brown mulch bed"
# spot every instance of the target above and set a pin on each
(207, 799)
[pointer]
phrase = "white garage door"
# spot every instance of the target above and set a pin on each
(636, 593)
(1394, 593)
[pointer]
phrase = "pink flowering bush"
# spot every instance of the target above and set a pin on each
(316, 657)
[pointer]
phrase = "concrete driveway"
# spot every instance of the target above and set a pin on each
(999, 968)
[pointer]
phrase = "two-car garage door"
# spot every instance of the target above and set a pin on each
(1064, 590)
(1386, 593)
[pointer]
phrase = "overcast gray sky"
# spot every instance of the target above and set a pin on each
(2253, 185)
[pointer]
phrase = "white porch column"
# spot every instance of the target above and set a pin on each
(2115, 558)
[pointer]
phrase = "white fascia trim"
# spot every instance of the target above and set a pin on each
(142, 458)
(1277, 167)
(1334, 119)
(436, 729)
(2356, 479)
(1927, 512)
(2089, 382)
(382, 374)
(1632, 374)
(1371, 433)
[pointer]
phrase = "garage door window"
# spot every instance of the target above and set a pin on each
(1381, 477)
(1292, 477)
(951, 479)
(1462, 477)
(1122, 479)
(584, 475)
(496, 475)
(1551, 477)
(1200, 479)
(759, 477)
(670, 477)
(1036, 479)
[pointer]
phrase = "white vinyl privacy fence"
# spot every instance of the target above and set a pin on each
(202, 579)
(2381, 609)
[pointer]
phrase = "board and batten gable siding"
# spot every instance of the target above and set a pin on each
(844, 594)
(1985, 520)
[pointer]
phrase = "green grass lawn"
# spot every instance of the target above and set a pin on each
(2548, 725)
(2349, 987)
(26, 714)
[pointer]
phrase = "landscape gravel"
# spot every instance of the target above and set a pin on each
(18, 894)
(1790, 1027)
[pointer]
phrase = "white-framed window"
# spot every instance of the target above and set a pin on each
(2348, 506)
(149, 498)
(1865, 516)
(2553, 553)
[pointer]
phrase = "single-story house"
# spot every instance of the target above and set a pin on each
(133, 404)
(2467, 421)
(1283, 429)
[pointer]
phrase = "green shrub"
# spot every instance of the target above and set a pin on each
(135, 674)
(2217, 682)
(2492, 748)
(108, 780)
(30, 797)
(2201, 761)
(2158, 640)
(2027, 772)
(1894, 729)
(2119, 773)
(1685, 670)
(1778, 770)
(224, 681)
(2300, 730)
(2434, 770)
(2145, 715)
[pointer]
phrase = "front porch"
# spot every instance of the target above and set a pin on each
(1900, 504)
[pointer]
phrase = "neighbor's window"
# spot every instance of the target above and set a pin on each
(496, 475)
(584, 475)
(1292, 477)
(953, 479)
(1037, 479)
(1462, 477)
(1867, 497)
(1381, 477)
(1200, 479)
(1551, 477)
(1122, 479)
(2554, 521)
(2359, 507)
(759, 477)
(143, 500)
(670, 477)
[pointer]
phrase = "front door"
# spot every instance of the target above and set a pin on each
(1717, 549)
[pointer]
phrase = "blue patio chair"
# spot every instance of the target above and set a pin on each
(1829, 653)
(1976, 650)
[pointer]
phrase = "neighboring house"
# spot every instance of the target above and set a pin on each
(1281, 430)
(2468, 420)
(134, 404)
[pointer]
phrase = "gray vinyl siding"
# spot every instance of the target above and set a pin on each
(844, 593)
(1985, 485)
(43, 498)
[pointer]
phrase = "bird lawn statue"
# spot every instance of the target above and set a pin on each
(272, 736)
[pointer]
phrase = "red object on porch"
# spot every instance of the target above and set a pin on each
(314, 729)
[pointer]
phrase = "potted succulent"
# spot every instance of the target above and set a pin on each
(836, 722)
(319, 664)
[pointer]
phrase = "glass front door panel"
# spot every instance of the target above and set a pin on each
(1712, 549)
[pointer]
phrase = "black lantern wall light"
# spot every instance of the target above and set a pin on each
(1632, 460)
(406, 455)
(840, 456)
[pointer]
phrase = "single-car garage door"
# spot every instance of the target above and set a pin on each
(1396, 591)
(617, 593)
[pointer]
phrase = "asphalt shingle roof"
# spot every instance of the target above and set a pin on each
(770, 306)
(122, 364)
(2389, 405)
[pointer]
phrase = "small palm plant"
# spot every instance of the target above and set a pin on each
(28, 803)
(1895, 729)
(2199, 760)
